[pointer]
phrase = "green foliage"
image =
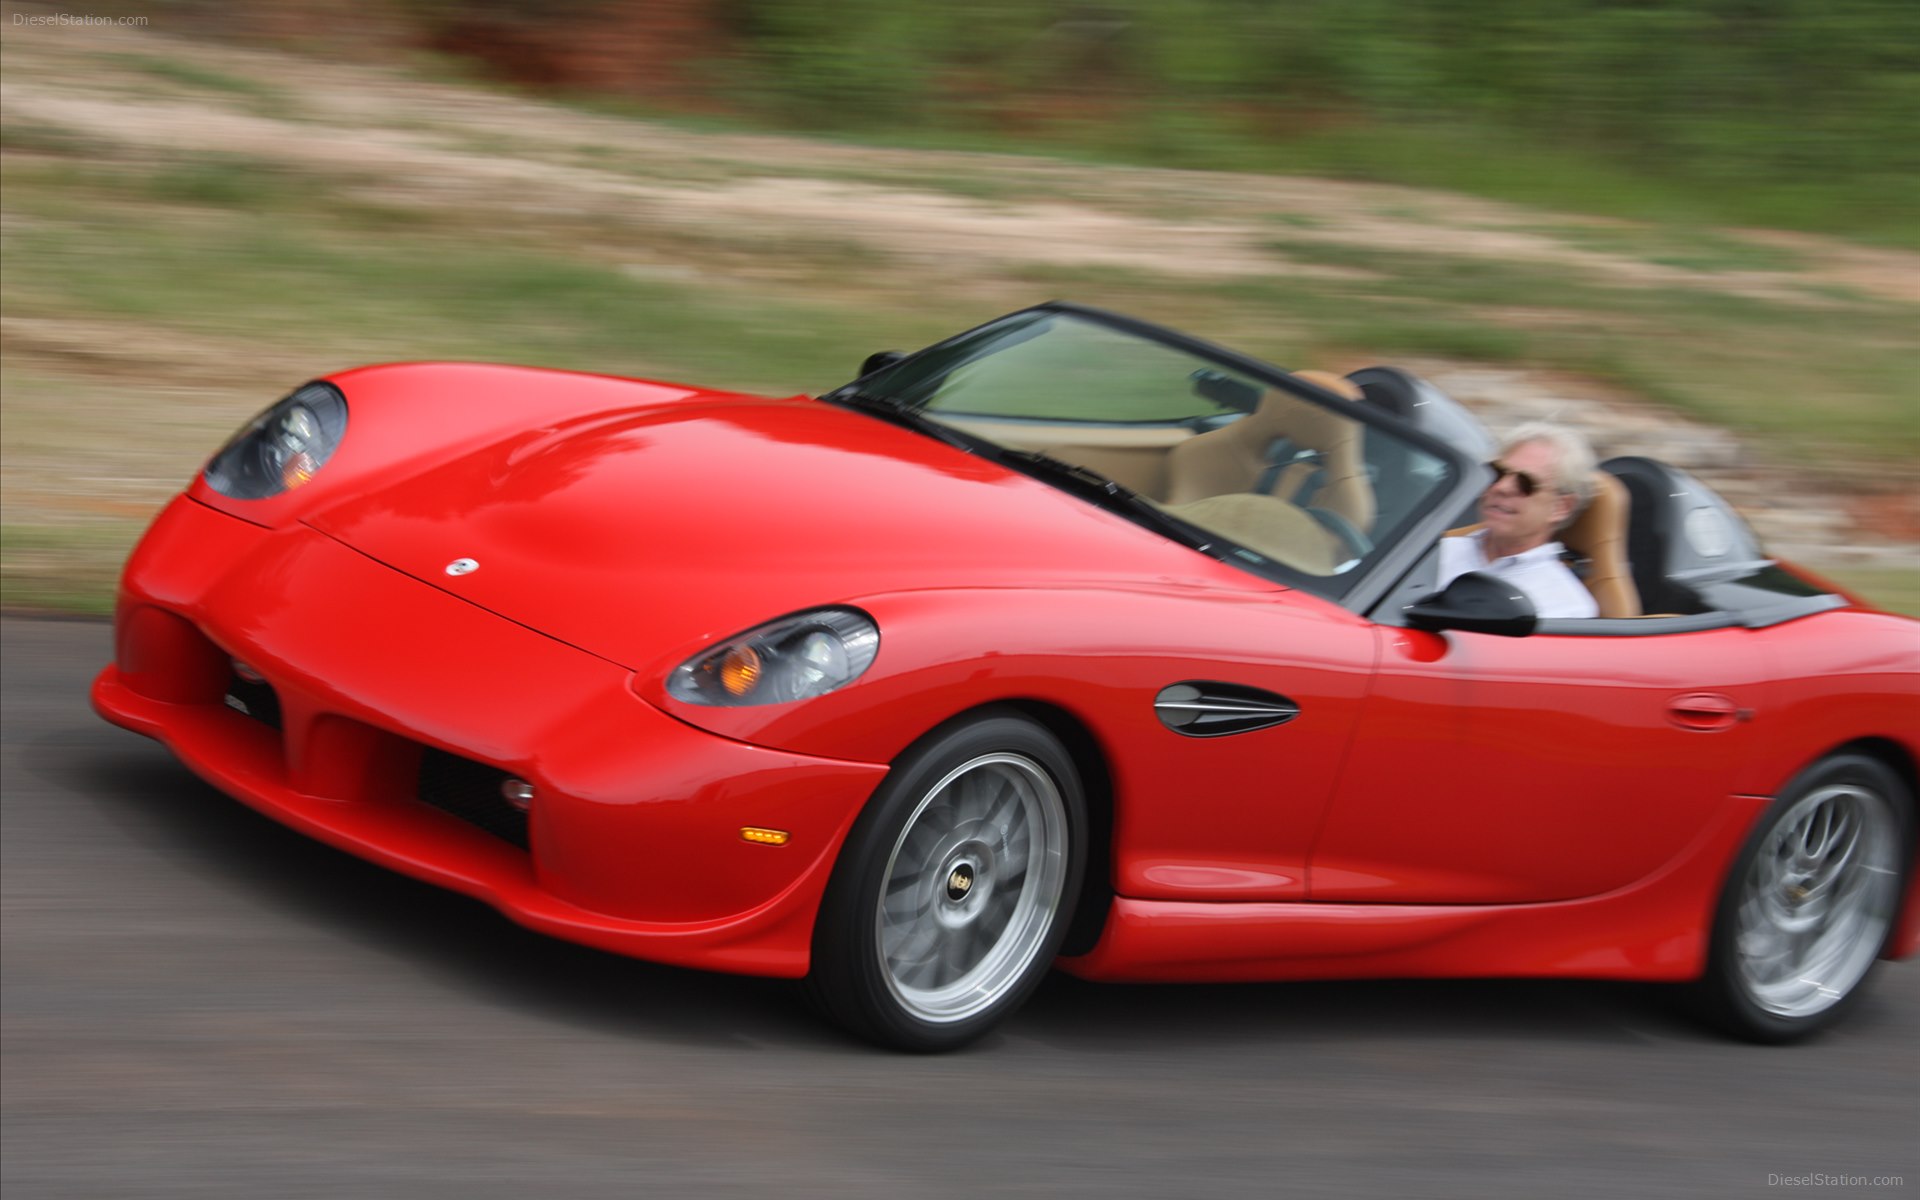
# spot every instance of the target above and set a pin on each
(1894, 589)
(222, 181)
(1797, 113)
(40, 137)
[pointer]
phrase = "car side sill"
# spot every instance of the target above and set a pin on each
(1655, 929)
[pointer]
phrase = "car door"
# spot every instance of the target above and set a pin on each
(1492, 770)
(1212, 809)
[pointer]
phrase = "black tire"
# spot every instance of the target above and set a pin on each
(955, 888)
(1833, 854)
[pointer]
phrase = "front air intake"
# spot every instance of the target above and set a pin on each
(473, 792)
(253, 697)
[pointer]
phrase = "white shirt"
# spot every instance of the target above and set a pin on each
(1539, 573)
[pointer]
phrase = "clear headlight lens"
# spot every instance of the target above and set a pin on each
(797, 657)
(282, 447)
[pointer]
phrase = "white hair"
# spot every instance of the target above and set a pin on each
(1573, 460)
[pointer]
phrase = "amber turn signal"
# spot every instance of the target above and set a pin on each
(740, 670)
(298, 470)
(764, 837)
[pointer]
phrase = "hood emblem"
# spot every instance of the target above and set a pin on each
(462, 566)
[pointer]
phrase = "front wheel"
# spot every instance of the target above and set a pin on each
(955, 888)
(1810, 902)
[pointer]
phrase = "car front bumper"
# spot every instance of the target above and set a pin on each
(632, 838)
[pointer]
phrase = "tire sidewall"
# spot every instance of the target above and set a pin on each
(847, 979)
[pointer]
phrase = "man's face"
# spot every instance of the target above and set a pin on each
(1517, 521)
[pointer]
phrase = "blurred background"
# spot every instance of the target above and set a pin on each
(1687, 226)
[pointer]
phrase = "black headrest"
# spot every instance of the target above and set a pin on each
(1681, 534)
(1425, 407)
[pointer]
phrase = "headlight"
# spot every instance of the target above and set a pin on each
(806, 654)
(283, 446)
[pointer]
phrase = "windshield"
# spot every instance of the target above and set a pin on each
(1233, 457)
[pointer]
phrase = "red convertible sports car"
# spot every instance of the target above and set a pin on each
(1067, 641)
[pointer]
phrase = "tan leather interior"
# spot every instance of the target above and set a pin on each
(1233, 459)
(1599, 535)
(1134, 455)
(1269, 526)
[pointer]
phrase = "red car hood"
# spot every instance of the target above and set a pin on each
(639, 533)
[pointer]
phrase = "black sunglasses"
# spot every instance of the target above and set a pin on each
(1528, 484)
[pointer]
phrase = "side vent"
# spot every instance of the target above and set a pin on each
(1199, 708)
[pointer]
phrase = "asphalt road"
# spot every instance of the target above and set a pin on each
(200, 1003)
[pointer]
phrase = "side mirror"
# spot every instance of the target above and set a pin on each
(1476, 603)
(880, 361)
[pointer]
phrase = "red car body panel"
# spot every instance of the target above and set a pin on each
(1845, 677)
(1443, 804)
(1506, 770)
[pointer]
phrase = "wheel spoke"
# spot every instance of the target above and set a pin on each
(1004, 799)
(900, 883)
(919, 840)
(995, 792)
(1840, 848)
(922, 972)
(999, 911)
(981, 940)
(1813, 834)
(942, 815)
(905, 905)
(959, 956)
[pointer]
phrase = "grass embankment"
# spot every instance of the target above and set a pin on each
(158, 305)
(156, 297)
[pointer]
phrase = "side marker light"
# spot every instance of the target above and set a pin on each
(764, 837)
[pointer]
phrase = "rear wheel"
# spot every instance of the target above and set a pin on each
(955, 888)
(1811, 901)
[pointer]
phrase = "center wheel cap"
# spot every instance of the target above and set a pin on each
(960, 882)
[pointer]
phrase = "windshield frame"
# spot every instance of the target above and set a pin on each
(1358, 593)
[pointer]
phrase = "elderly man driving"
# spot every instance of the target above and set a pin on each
(1542, 479)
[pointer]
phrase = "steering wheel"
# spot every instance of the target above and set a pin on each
(1359, 544)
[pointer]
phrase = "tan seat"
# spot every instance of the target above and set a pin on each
(1233, 459)
(1599, 536)
(1272, 527)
